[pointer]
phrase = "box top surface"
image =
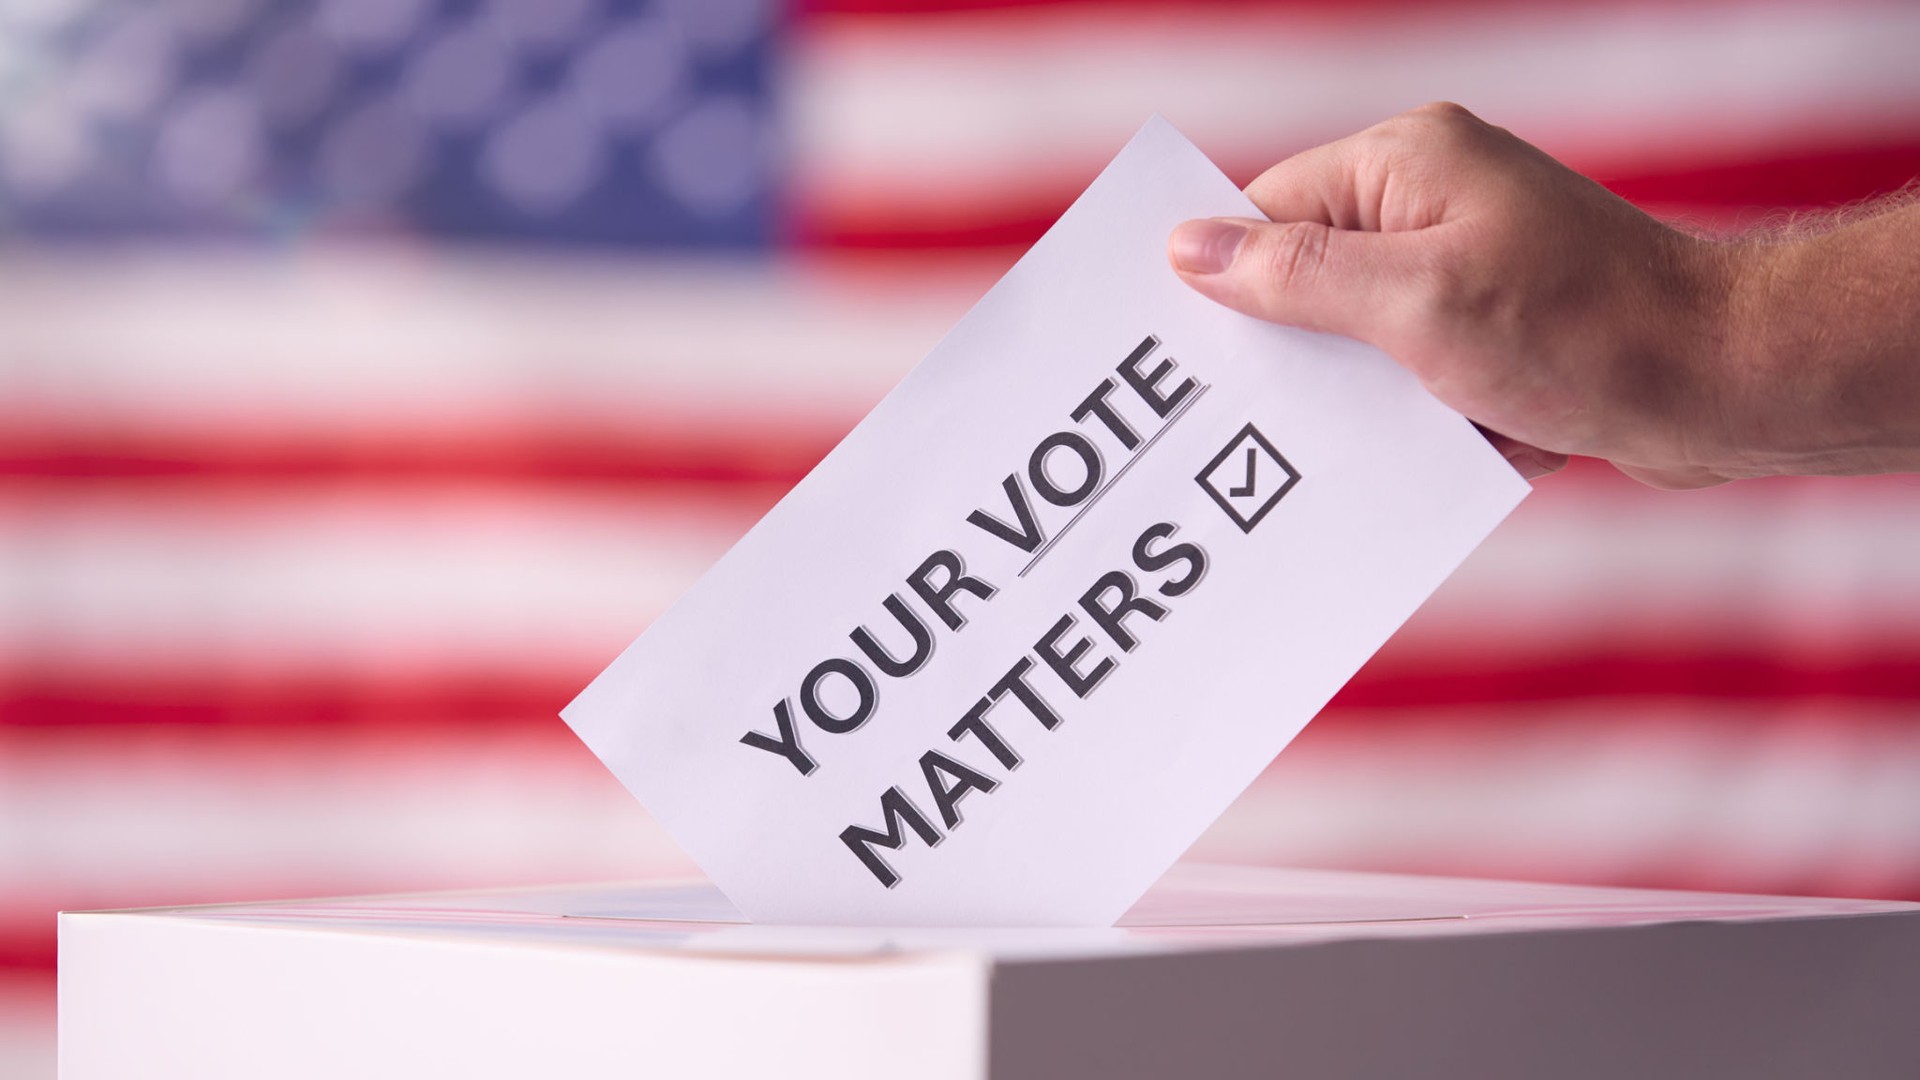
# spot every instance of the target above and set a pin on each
(1195, 907)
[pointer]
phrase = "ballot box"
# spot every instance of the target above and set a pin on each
(1218, 972)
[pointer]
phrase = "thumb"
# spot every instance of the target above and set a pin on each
(1301, 273)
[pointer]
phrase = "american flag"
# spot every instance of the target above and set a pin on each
(371, 371)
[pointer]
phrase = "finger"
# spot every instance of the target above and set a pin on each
(1302, 273)
(1528, 460)
(1682, 479)
(1394, 176)
(1322, 185)
(1534, 464)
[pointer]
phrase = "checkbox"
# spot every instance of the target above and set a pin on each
(1248, 477)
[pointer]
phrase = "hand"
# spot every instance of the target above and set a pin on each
(1547, 310)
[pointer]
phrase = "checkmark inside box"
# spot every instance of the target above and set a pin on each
(1248, 477)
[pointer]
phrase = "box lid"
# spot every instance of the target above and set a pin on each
(1195, 907)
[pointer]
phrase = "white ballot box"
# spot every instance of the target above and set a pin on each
(1218, 972)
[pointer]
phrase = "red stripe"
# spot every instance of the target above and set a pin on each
(914, 9)
(1623, 672)
(398, 703)
(759, 462)
(764, 454)
(1398, 681)
(1787, 178)
(1804, 179)
(909, 10)
(28, 950)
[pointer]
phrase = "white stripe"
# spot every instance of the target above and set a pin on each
(27, 1026)
(336, 344)
(139, 816)
(918, 110)
(1802, 565)
(1749, 798)
(370, 581)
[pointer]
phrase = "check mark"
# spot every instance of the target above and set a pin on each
(1246, 488)
(1268, 478)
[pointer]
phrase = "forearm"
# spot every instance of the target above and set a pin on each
(1824, 337)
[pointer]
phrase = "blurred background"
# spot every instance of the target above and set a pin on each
(371, 371)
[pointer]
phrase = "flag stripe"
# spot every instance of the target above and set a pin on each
(732, 455)
(1705, 192)
(814, 14)
(1398, 679)
(818, 12)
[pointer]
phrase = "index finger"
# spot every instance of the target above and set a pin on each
(1320, 185)
(1394, 175)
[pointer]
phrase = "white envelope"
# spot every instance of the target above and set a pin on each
(1056, 601)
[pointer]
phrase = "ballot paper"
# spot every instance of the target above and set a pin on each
(1032, 626)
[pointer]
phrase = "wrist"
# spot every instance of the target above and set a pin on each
(1814, 390)
(1725, 424)
(1765, 433)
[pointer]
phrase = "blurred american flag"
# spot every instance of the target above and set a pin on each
(372, 370)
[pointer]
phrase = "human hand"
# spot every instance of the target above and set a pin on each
(1546, 309)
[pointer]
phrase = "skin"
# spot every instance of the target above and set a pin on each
(1564, 321)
